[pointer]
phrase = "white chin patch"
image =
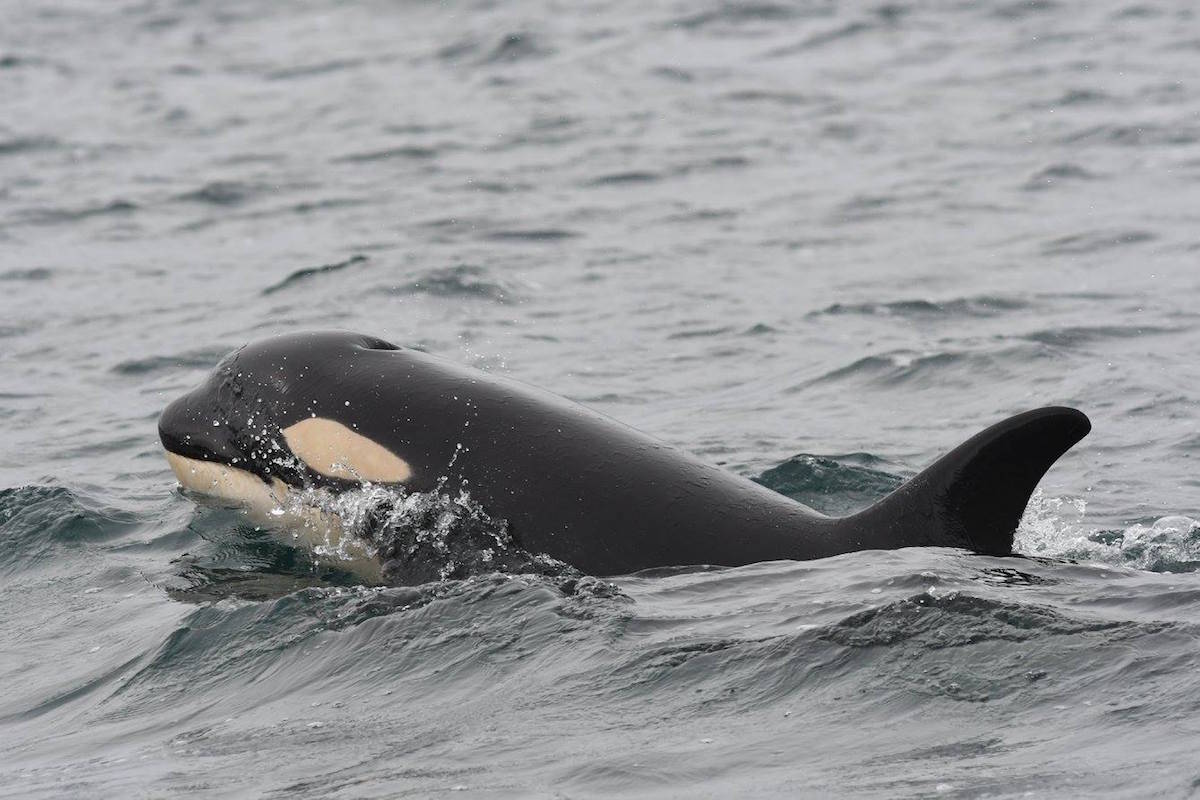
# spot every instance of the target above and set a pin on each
(335, 451)
(277, 508)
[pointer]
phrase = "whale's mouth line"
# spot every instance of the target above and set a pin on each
(187, 448)
(197, 459)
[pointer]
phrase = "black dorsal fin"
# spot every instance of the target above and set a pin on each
(974, 496)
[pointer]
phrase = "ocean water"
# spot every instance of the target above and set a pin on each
(817, 242)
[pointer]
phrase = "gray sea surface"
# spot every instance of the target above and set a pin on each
(816, 242)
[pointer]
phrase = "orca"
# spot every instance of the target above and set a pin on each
(335, 410)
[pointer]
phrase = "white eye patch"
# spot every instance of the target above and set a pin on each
(335, 451)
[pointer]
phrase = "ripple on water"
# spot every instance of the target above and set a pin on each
(27, 144)
(203, 358)
(1023, 8)
(1077, 336)
(908, 368)
(1095, 242)
(517, 46)
(1055, 175)
(222, 193)
(57, 216)
(399, 152)
(819, 40)
(632, 177)
(316, 69)
(777, 97)
(308, 273)
(726, 14)
(539, 235)
(955, 619)
(962, 307)
(461, 280)
(32, 274)
(865, 207)
(1145, 135)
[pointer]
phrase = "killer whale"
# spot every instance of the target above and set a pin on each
(334, 409)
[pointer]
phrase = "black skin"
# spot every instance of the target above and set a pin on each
(580, 486)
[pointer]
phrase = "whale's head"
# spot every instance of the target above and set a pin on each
(279, 414)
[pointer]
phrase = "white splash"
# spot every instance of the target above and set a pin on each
(1054, 527)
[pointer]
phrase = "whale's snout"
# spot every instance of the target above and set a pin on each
(194, 427)
(202, 451)
(172, 425)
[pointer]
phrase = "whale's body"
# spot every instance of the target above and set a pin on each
(333, 409)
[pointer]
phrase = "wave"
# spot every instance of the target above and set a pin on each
(40, 523)
(368, 635)
(835, 485)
